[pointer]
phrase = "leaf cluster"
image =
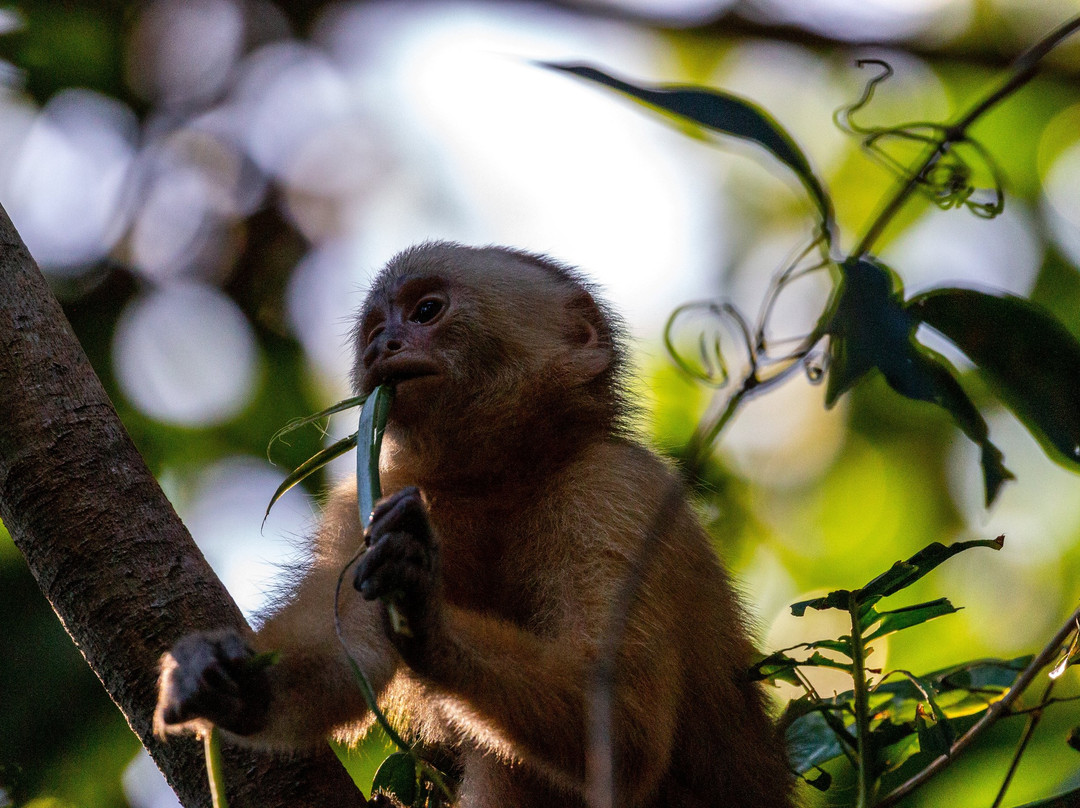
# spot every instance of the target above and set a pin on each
(906, 717)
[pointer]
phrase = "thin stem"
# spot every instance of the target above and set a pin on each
(862, 707)
(1024, 69)
(996, 711)
(212, 752)
(1033, 721)
(369, 693)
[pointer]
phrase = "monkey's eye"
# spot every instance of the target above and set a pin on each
(427, 310)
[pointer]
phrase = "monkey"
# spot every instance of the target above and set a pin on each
(519, 495)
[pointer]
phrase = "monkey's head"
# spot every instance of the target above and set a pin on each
(483, 342)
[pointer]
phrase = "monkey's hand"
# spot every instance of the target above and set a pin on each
(401, 568)
(213, 678)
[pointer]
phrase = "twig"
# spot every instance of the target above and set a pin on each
(1033, 722)
(996, 711)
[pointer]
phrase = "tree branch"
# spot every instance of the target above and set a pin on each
(106, 547)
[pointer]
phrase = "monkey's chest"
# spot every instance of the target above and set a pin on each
(481, 572)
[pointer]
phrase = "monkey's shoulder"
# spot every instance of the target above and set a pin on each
(624, 475)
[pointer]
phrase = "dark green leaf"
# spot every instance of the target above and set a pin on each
(1074, 739)
(1030, 359)
(776, 667)
(821, 782)
(929, 697)
(372, 424)
(934, 736)
(903, 574)
(838, 599)
(842, 645)
(721, 112)
(1070, 799)
(959, 691)
(397, 776)
(810, 742)
(780, 666)
(310, 466)
(899, 619)
(870, 327)
(888, 732)
(866, 324)
(895, 744)
(981, 674)
(370, 430)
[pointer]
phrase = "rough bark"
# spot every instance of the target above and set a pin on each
(105, 545)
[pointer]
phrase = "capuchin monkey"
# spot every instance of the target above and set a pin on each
(519, 499)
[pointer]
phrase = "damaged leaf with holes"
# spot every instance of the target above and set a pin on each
(871, 329)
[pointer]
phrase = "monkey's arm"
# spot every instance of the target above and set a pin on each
(521, 692)
(310, 690)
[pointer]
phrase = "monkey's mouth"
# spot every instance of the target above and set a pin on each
(396, 370)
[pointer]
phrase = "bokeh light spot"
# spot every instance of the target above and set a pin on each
(185, 354)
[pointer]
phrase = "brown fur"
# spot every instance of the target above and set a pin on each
(539, 499)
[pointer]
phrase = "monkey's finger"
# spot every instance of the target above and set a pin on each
(403, 582)
(386, 503)
(399, 563)
(407, 514)
(394, 546)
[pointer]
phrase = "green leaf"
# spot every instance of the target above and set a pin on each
(903, 574)
(838, 599)
(397, 776)
(1069, 799)
(810, 742)
(372, 424)
(1031, 360)
(899, 619)
(934, 736)
(296, 423)
(776, 667)
(780, 666)
(870, 327)
(866, 324)
(721, 112)
(821, 782)
(959, 690)
(310, 466)
(371, 427)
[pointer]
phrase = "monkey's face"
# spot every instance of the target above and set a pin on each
(475, 334)
(400, 336)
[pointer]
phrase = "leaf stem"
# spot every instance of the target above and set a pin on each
(864, 750)
(997, 710)
(212, 752)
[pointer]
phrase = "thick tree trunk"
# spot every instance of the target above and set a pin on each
(105, 545)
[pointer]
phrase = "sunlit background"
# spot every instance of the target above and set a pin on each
(210, 184)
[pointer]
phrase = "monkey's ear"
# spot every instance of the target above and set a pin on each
(590, 354)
